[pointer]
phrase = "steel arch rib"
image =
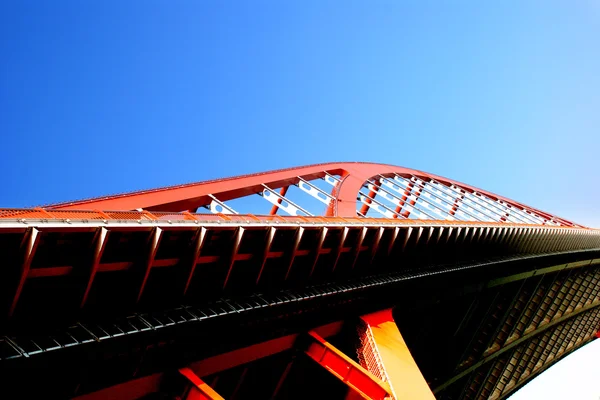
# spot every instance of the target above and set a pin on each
(190, 196)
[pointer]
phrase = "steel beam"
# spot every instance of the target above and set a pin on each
(236, 246)
(338, 249)
(199, 390)
(31, 241)
(282, 193)
(294, 252)
(224, 361)
(197, 247)
(134, 389)
(322, 237)
(513, 344)
(368, 200)
(194, 195)
(346, 369)
(282, 378)
(361, 238)
(99, 244)
(400, 370)
(269, 242)
(153, 248)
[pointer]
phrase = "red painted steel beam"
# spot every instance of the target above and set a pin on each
(154, 242)
(234, 253)
(294, 252)
(189, 196)
(402, 202)
(456, 203)
(29, 246)
(172, 262)
(254, 352)
(199, 390)
(198, 243)
(52, 271)
(282, 378)
(134, 389)
(347, 370)
(282, 192)
(364, 209)
(412, 202)
(99, 245)
(265, 255)
(386, 354)
(141, 387)
(319, 250)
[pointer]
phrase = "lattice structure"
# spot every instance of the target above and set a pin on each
(368, 356)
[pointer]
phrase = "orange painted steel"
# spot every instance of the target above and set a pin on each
(199, 390)
(332, 234)
(389, 357)
(347, 370)
(26, 215)
(254, 352)
(141, 387)
(32, 239)
(160, 215)
(134, 389)
(282, 192)
(191, 196)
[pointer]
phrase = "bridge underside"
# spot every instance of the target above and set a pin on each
(483, 308)
(450, 291)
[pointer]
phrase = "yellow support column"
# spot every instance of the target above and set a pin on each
(384, 353)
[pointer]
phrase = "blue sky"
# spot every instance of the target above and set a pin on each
(100, 97)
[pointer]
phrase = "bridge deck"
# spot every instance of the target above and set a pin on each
(90, 285)
(156, 301)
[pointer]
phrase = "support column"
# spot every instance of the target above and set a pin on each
(384, 353)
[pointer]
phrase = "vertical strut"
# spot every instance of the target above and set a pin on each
(318, 250)
(234, 252)
(297, 239)
(198, 242)
(99, 244)
(154, 242)
(32, 240)
(270, 236)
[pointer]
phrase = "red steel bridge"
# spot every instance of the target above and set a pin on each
(340, 280)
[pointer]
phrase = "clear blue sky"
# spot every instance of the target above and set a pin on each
(100, 97)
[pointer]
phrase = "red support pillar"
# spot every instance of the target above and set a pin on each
(385, 354)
